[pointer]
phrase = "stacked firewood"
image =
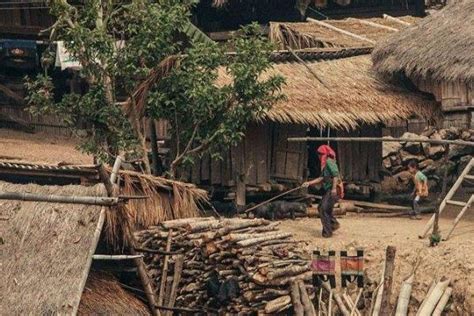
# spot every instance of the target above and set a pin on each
(228, 265)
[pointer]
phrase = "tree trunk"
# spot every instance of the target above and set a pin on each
(154, 149)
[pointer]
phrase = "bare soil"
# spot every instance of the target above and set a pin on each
(40, 148)
(453, 259)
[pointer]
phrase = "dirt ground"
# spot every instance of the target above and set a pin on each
(40, 148)
(453, 259)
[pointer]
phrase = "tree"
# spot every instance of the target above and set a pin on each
(137, 62)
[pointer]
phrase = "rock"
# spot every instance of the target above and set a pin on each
(436, 135)
(82, 133)
(426, 163)
(414, 148)
(436, 152)
(390, 148)
(406, 157)
(430, 130)
(450, 133)
(395, 160)
(456, 151)
(466, 135)
(463, 161)
(404, 176)
(386, 163)
(391, 185)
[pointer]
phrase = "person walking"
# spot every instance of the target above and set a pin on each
(421, 188)
(332, 187)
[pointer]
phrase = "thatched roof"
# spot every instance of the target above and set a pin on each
(302, 35)
(352, 95)
(103, 295)
(440, 47)
(46, 250)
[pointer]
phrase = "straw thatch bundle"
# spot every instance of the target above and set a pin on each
(351, 95)
(46, 250)
(439, 48)
(103, 295)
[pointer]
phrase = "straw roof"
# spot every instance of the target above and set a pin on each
(103, 295)
(351, 95)
(440, 47)
(302, 35)
(46, 250)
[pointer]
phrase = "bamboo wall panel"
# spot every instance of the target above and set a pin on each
(290, 158)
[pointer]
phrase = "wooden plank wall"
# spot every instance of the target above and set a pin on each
(27, 21)
(360, 162)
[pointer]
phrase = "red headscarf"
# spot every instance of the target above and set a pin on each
(326, 152)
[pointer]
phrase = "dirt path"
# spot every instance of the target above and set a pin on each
(40, 148)
(454, 258)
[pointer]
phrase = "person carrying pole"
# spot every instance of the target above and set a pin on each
(421, 188)
(332, 186)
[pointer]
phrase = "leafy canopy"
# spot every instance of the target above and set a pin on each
(120, 46)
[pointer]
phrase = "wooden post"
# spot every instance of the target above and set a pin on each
(154, 149)
(443, 193)
(386, 308)
(115, 169)
(240, 196)
(178, 269)
(164, 271)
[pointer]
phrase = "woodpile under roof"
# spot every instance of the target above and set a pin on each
(351, 95)
(440, 47)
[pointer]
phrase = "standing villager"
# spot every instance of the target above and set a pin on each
(332, 186)
(421, 188)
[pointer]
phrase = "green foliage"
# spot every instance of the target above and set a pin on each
(119, 45)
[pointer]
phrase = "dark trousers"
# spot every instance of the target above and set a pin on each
(328, 220)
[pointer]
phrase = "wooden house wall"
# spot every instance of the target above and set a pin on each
(262, 156)
(26, 21)
(360, 161)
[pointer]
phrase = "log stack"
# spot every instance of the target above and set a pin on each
(230, 265)
(429, 156)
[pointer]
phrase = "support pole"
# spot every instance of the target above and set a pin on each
(382, 140)
(116, 257)
(435, 233)
(336, 29)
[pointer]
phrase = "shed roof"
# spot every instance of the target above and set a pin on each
(440, 47)
(47, 249)
(351, 95)
(302, 35)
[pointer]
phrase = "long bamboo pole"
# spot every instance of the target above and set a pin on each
(336, 29)
(116, 257)
(87, 200)
(391, 18)
(373, 24)
(382, 140)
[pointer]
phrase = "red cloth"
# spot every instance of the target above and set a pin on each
(325, 152)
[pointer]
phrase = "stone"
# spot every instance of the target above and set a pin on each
(425, 163)
(404, 176)
(436, 152)
(395, 160)
(391, 185)
(386, 163)
(406, 157)
(430, 130)
(82, 133)
(451, 133)
(463, 161)
(466, 135)
(390, 148)
(414, 148)
(456, 151)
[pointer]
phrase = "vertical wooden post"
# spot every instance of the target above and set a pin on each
(386, 308)
(154, 148)
(443, 192)
(240, 195)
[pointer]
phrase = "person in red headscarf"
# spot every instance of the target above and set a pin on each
(332, 186)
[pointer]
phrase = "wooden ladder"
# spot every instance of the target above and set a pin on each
(448, 201)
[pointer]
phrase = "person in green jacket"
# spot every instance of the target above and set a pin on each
(330, 178)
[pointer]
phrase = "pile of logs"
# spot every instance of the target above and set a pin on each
(229, 265)
(429, 156)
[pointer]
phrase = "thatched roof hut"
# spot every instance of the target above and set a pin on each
(47, 249)
(350, 95)
(440, 47)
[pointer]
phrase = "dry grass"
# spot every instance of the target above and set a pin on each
(440, 47)
(45, 250)
(303, 35)
(352, 95)
(166, 200)
(103, 295)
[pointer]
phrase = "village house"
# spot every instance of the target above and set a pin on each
(436, 55)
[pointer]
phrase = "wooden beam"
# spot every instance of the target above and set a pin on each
(87, 200)
(382, 140)
(331, 27)
(396, 20)
(116, 257)
(373, 24)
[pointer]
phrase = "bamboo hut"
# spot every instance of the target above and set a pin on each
(350, 101)
(436, 55)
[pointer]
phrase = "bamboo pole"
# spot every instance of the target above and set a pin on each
(382, 140)
(434, 298)
(331, 27)
(391, 18)
(443, 301)
(51, 198)
(115, 169)
(430, 290)
(338, 299)
(404, 297)
(116, 257)
(354, 309)
(448, 196)
(272, 199)
(164, 271)
(377, 25)
(178, 269)
(435, 232)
